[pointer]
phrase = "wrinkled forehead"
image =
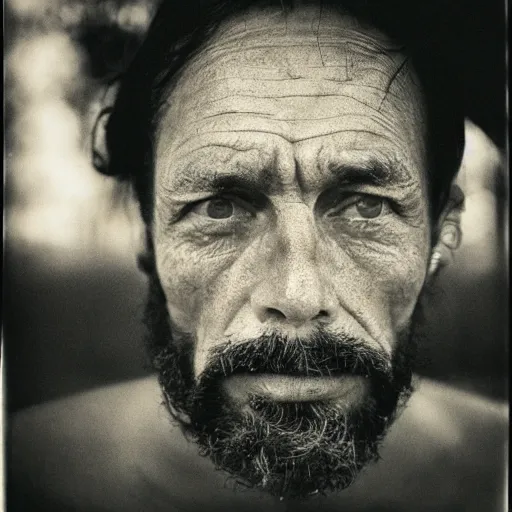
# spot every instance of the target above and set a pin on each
(311, 23)
(272, 43)
(300, 74)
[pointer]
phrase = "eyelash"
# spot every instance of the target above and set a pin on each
(238, 200)
(353, 197)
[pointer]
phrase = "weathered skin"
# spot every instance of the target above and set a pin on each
(288, 104)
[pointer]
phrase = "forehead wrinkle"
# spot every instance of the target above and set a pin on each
(284, 130)
(294, 140)
(253, 21)
(353, 93)
(210, 77)
(263, 106)
(356, 41)
(341, 52)
(297, 129)
(365, 45)
(207, 77)
(368, 75)
(305, 89)
(287, 77)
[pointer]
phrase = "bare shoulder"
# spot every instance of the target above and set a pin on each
(445, 452)
(104, 413)
(84, 448)
(450, 413)
(450, 446)
(442, 422)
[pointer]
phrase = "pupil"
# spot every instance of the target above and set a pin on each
(370, 207)
(220, 209)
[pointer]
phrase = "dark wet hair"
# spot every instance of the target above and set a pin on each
(427, 31)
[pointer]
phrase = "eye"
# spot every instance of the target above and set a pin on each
(359, 206)
(369, 207)
(220, 208)
(217, 208)
(223, 208)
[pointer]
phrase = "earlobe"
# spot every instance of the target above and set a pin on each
(434, 265)
(449, 235)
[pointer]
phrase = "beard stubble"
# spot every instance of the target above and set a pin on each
(288, 449)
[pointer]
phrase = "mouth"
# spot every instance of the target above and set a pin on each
(290, 388)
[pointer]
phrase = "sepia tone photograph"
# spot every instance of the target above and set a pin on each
(255, 256)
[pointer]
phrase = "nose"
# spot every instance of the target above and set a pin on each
(292, 290)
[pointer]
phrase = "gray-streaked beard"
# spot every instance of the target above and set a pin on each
(294, 449)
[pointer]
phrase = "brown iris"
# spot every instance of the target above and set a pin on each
(219, 208)
(369, 207)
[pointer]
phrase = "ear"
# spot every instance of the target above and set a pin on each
(447, 235)
(100, 158)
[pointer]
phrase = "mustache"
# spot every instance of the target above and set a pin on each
(322, 354)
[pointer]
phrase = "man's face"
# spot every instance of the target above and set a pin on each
(291, 213)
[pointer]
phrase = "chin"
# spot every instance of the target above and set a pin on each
(294, 449)
(291, 418)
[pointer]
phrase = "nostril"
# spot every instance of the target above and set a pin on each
(275, 314)
(321, 314)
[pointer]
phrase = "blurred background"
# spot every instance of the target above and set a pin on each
(73, 296)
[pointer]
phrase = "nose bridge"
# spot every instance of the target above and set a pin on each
(293, 289)
(297, 243)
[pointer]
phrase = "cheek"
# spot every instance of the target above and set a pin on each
(188, 278)
(387, 277)
(402, 288)
(397, 273)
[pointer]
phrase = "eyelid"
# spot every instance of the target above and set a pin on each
(241, 201)
(349, 198)
(230, 196)
(394, 205)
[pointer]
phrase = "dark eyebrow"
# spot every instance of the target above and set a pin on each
(380, 171)
(373, 172)
(228, 183)
(263, 181)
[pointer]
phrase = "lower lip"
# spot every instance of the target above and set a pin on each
(286, 388)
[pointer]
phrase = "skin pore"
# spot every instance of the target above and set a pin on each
(291, 205)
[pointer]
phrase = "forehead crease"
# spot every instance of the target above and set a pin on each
(304, 20)
(292, 98)
(298, 86)
(334, 83)
(342, 59)
(242, 66)
(290, 117)
(219, 78)
(298, 128)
